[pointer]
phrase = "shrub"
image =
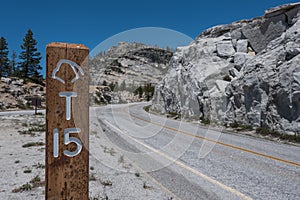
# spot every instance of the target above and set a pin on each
(262, 131)
(227, 78)
(36, 180)
(27, 171)
(39, 166)
(265, 131)
(137, 174)
(234, 125)
(92, 177)
(246, 127)
(240, 127)
(37, 127)
(24, 187)
(205, 121)
(147, 108)
(121, 159)
(106, 183)
(145, 186)
(174, 115)
(33, 144)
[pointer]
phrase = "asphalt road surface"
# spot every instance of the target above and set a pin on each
(21, 112)
(192, 162)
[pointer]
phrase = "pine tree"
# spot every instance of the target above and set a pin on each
(14, 71)
(112, 86)
(4, 61)
(116, 87)
(123, 86)
(30, 58)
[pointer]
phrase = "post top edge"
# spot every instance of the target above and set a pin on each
(67, 45)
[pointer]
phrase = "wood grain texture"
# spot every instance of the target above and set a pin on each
(67, 177)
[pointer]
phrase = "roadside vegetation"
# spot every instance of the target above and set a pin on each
(272, 133)
(33, 128)
(33, 183)
(242, 128)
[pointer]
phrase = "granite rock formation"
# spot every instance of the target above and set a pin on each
(247, 72)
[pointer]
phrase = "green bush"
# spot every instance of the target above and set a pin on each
(227, 78)
(205, 121)
(174, 115)
(265, 131)
(24, 187)
(33, 144)
(290, 138)
(147, 108)
(137, 174)
(27, 171)
(262, 131)
(234, 125)
(246, 127)
(241, 127)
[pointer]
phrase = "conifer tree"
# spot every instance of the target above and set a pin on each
(14, 71)
(30, 58)
(4, 61)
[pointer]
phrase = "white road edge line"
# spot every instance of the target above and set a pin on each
(221, 185)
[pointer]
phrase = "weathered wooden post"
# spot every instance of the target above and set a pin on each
(67, 119)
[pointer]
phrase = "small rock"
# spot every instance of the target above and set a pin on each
(225, 49)
(240, 59)
(234, 72)
(242, 46)
(5, 80)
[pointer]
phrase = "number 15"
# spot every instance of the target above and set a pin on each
(67, 140)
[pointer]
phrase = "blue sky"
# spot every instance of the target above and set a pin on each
(91, 22)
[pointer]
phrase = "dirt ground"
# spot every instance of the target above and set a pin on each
(22, 157)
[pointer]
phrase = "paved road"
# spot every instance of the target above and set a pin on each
(20, 112)
(192, 162)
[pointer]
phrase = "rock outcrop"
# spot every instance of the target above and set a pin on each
(15, 94)
(246, 72)
(130, 62)
(128, 66)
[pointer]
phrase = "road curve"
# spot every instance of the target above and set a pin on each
(193, 162)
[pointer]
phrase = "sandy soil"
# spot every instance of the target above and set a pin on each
(22, 157)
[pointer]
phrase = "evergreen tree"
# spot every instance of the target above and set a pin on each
(116, 87)
(30, 58)
(139, 91)
(4, 61)
(123, 86)
(14, 71)
(112, 86)
(149, 91)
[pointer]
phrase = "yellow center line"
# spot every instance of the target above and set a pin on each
(217, 142)
(203, 176)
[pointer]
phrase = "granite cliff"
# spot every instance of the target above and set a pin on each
(246, 72)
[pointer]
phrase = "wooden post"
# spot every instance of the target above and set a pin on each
(67, 122)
